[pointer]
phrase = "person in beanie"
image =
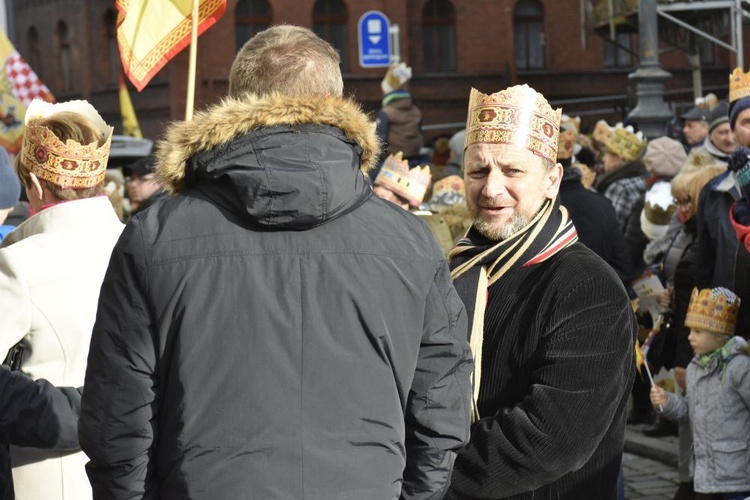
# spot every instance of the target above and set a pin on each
(721, 260)
(695, 128)
(51, 271)
(10, 192)
(399, 120)
(721, 141)
(624, 177)
(717, 400)
(552, 326)
(273, 329)
(141, 184)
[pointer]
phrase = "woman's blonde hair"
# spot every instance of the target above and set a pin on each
(688, 184)
(67, 126)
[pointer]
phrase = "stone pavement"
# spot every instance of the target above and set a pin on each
(649, 466)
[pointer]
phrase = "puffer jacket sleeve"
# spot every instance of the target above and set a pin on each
(438, 407)
(676, 408)
(36, 413)
(118, 416)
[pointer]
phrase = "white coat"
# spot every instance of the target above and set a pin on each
(51, 269)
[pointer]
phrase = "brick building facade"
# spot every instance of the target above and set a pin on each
(451, 46)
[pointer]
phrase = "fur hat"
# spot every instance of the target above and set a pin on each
(664, 157)
(10, 186)
(658, 209)
(396, 78)
(714, 310)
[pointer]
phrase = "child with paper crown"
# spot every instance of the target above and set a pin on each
(718, 396)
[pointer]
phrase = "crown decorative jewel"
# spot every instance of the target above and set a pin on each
(518, 115)
(627, 143)
(739, 85)
(410, 184)
(70, 164)
(714, 310)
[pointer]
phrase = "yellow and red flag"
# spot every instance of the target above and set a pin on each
(151, 32)
(19, 85)
(130, 125)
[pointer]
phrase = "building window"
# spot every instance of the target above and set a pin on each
(329, 23)
(250, 18)
(528, 34)
(111, 50)
(34, 57)
(438, 20)
(64, 61)
(707, 53)
(618, 53)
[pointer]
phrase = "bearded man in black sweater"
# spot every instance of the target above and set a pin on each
(552, 328)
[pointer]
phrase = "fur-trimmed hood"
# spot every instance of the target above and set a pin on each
(280, 162)
(236, 117)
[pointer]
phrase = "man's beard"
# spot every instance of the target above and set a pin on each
(515, 224)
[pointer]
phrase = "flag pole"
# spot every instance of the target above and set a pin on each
(189, 104)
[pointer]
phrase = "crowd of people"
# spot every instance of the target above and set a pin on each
(301, 301)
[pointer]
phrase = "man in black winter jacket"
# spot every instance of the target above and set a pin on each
(272, 330)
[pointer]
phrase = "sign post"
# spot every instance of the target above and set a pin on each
(374, 33)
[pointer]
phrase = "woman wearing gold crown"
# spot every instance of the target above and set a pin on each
(717, 401)
(51, 269)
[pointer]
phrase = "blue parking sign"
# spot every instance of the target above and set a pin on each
(374, 40)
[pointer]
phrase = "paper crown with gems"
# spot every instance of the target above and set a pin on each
(627, 143)
(68, 165)
(566, 144)
(739, 85)
(714, 310)
(518, 115)
(601, 132)
(410, 184)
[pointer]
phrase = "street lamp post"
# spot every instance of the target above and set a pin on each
(651, 113)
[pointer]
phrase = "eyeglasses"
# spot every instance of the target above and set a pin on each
(139, 178)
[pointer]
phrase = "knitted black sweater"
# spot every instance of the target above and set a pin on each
(557, 370)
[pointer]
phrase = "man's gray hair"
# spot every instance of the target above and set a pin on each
(288, 60)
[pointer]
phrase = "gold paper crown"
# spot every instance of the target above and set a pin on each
(739, 84)
(409, 184)
(657, 214)
(452, 183)
(518, 115)
(69, 164)
(659, 204)
(714, 310)
(626, 142)
(566, 144)
(601, 132)
(570, 121)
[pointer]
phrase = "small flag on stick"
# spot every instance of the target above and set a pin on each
(130, 125)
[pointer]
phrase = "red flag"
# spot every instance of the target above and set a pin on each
(150, 33)
(19, 85)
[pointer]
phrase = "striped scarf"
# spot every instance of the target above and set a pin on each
(483, 262)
